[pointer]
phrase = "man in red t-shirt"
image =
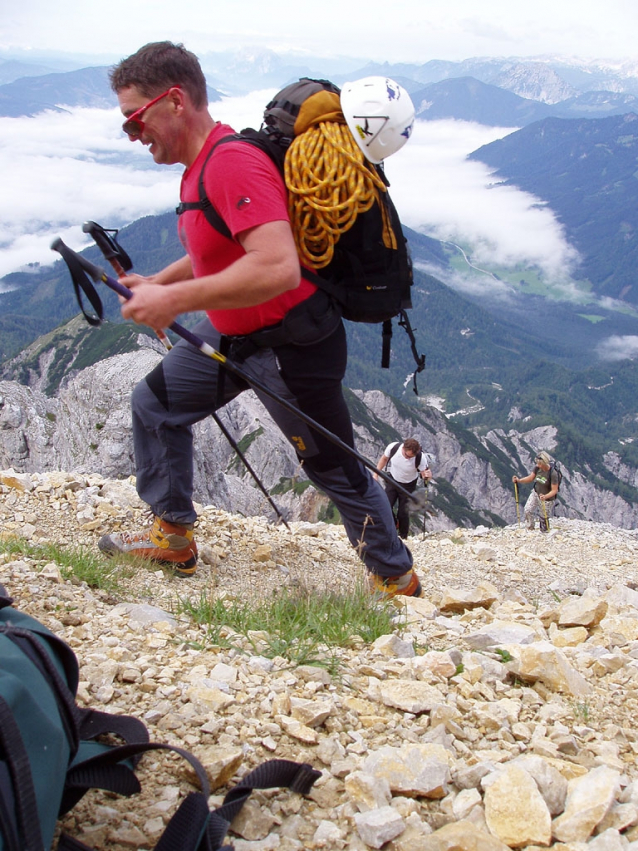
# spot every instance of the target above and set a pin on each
(246, 283)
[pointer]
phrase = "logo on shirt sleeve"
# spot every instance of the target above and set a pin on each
(242, 203)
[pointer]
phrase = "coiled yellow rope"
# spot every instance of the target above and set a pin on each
(329, 183)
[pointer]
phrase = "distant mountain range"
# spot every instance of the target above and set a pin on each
(502, 92)
(468, 99)
(547, 79)
(88, 87)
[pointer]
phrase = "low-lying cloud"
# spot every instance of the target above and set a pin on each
(61, 169)
(618, 347)
(438, 191)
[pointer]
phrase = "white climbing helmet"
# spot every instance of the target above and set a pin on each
(380, 115)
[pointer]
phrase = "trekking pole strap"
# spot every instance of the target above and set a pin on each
(106, 241)
(81, 283)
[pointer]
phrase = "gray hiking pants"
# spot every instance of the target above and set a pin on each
(184, 388)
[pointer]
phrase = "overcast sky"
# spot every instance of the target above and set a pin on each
(398, 30)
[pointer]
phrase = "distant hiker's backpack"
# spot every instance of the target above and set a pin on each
(556, 466)
(346, 228)
(50, 755)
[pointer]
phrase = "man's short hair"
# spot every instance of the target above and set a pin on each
(158, 66)
(412, 445)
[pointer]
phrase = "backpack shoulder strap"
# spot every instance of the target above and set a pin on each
(205, 204)
(257, 139)
(393, 451)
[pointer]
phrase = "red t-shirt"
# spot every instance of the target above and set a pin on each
(246, 189)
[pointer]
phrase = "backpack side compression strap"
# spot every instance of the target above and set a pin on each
(25, 834)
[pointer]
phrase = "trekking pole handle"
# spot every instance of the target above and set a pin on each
(99, 274)
(104, 244)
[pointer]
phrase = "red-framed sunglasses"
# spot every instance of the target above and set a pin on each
(134, 126)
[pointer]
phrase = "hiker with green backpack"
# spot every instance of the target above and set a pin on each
(541, 502)
(267, 310)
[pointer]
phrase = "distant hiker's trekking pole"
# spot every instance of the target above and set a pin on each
(78, 265)
(106, 241)
(425, 506)
(518, 511)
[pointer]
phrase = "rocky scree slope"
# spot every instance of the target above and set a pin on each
(500, 713)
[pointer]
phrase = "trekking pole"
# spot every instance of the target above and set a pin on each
(425, 505)
(244, 460)
(77, 265)
(518, 511)
(122, 264)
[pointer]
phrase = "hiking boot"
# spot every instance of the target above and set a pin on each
(407, 585)
(165, 543)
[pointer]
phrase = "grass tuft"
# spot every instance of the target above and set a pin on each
(77, 563)
(304, 626)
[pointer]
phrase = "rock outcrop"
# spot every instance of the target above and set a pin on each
(86, 426)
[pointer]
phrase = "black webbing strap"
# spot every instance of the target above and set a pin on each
(419, 359)
(298, 777)
(93, 723)
(15, 757)
(194, 828)
(81, 284)
(205, 204)
(386, 340)
(106, 771)
(68, 843)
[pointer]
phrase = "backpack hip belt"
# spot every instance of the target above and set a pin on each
(311, 321)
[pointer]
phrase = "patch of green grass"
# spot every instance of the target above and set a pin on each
(302, 625)
(74, 562)
(581, 711)
(505, 655)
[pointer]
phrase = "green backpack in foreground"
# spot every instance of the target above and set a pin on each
(50, 754)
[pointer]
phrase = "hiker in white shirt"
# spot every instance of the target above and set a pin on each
(407, 462)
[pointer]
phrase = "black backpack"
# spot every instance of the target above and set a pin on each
(370, 281)
(556, 466)
(50, 752)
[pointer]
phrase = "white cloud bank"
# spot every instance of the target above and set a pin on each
(61, 169)
(443, 194)
(618, 347)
